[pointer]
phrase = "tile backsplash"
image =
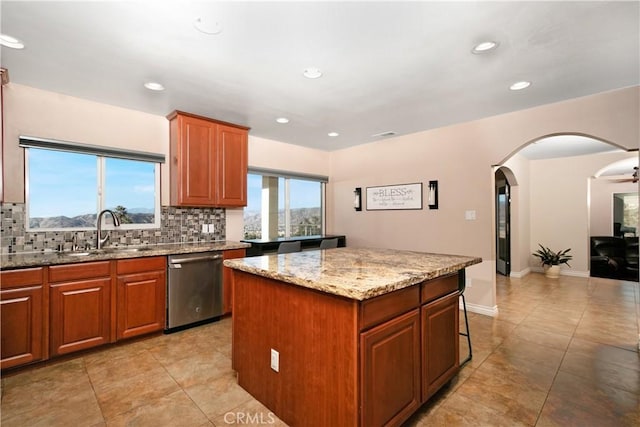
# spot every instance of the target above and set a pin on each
(177, 225)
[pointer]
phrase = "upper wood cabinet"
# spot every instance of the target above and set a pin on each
(208, 162)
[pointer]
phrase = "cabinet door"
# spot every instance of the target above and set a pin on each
(390, 364)
(21, 325)
(80, 314)
(232, 166)
(141, 303)
(227, 289)
(439, 343)
(197, 162)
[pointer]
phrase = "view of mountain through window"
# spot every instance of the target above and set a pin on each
(302, 216)
(67, 190)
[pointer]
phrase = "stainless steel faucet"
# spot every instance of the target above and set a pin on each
(116, 223)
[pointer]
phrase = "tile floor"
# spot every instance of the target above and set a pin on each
(561, 353)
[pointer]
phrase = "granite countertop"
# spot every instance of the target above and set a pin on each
(37, 259)
(356, 273)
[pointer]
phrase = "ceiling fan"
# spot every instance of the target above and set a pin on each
(624, 178)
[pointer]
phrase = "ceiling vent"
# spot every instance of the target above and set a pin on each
(384, 134)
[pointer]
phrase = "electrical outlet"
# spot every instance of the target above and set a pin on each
(275, 360)
(205, 228)
(212, 228)
(467, 282)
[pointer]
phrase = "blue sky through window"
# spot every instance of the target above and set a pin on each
(66, 184)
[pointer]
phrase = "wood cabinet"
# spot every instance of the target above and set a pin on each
(208, 165)
(227, 288)
(81, 311)
(440, 343)
(141, 293)
(390, 379)
(23, 317)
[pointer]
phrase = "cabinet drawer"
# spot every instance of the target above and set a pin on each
(137, 265)
(85, 270)
(436, 288)
(19, 278)
(379, 309)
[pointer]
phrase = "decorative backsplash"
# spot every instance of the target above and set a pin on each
(177, 225)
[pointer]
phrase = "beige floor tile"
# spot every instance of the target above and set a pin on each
(218, 396)
(175, 410)
(127, 393)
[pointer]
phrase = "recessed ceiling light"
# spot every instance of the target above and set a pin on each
(207, 26)
(332, 134)
(312, 73)
(282, 120)
(520, 85)
(154, 86)
(384, 134)
(484, 47)
(11, 42)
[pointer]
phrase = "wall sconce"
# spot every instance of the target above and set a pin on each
(357, 199)
(432, 198)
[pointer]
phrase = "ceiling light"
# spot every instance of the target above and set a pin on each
(520, 85)
(312, 73)
(207, 26)
(484, 47)
(333, 134)
(282, 120)
(384, 134)
(11, 42)
(154, 86)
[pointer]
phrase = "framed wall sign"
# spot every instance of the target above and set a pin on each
(387, 197)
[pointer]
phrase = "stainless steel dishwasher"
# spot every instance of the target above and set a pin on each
(194, 289)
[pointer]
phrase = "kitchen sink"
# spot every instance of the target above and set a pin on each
(78, 253)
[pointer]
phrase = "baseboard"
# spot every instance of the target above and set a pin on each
(564, 272)
(481, 309)
(520, 274)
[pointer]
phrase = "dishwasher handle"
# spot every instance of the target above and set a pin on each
(194, 259)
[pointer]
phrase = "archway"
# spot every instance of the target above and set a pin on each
(553, 197)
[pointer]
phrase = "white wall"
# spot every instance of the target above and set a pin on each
(560, 207)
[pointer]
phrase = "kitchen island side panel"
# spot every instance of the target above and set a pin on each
(316, 336)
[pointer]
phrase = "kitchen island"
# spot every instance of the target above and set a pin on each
(346, 336)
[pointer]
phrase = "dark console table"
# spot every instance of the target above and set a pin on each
(262, 247)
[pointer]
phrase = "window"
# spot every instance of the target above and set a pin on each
(283, 205)
(66, 190)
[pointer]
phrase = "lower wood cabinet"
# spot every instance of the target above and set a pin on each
(81, 306)
(23, 317)
(227, 288)
(390, 356)
(141, 294)
(440, 343)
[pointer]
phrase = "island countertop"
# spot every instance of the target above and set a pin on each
(355, 273)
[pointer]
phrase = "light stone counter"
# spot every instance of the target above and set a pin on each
(356, 273)
(37, 259)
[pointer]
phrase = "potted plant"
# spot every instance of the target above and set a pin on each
(551, 260)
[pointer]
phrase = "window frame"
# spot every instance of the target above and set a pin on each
(99, 195)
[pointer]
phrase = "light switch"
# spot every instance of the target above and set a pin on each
(470, 215)
(212, 228)
(205, 228)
